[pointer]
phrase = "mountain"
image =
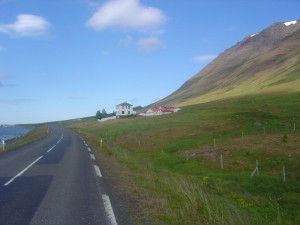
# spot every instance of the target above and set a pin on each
(265, 62)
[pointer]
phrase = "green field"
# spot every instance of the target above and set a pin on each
(171, 163)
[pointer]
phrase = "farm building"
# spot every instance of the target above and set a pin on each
(161, 110)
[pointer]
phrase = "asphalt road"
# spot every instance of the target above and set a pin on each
(53, 181)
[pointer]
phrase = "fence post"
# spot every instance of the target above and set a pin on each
(242, 137)
(187, 156)
(222, 164)
(256, 170)
(264, 130)
(283, 173)
(214, 143)
(294, 126)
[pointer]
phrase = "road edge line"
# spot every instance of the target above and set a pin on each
(97, 170)
(109, 210)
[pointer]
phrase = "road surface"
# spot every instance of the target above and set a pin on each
(54, 181)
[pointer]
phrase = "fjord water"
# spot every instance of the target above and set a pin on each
(7, 133)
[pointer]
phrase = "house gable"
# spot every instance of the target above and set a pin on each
(124, 109)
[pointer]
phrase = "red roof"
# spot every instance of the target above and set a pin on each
(163, 109)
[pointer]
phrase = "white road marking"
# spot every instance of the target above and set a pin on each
(109, 210)
(97, 170)
(51, 148)
(23, 171)
(61, 137)
(92, 157)
(89, 149)
(86, 145)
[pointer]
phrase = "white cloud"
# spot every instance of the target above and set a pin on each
(126, 41)
(26, 25)
(204, 58)
(150, 44)
(1, 48)
(93, 4)
(127, 14)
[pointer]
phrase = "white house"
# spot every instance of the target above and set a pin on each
(124, 109)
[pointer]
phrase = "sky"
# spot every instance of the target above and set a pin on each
(66, 59)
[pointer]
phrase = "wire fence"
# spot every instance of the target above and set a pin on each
(282, 137)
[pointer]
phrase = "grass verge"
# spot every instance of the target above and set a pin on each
(172, 162)
(34, 135)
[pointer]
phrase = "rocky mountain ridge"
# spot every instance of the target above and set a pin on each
(261, 62)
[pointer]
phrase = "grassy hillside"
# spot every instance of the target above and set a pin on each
(170, 165)
(266, 63)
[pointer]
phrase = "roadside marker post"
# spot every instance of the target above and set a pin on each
(3, 145)
(101, 143)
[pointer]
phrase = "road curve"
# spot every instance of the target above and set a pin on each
(53, 181)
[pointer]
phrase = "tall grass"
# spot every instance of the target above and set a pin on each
(197, 191)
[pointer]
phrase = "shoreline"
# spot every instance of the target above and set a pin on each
(10, 136)
(9, 141)
(21, 140)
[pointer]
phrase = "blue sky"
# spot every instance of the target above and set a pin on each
(65, 59)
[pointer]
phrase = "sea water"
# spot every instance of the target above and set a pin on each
(11, 132)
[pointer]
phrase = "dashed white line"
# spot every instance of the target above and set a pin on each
(89, 149)
(23, 171)
(97, 170)
(92, 157)
(51, 148)
(109, 210)
(61, 137)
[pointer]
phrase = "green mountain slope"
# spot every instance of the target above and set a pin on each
(266, 62)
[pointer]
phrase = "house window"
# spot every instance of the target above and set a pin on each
(123, 112)
(128, 112)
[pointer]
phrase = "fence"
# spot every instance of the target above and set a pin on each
(217, 152)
